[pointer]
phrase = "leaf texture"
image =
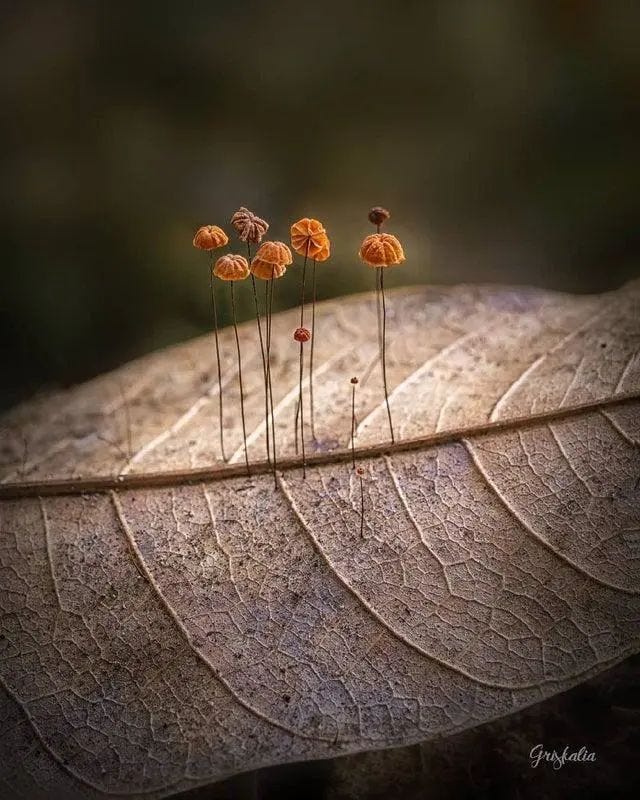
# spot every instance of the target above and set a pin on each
(159, 634)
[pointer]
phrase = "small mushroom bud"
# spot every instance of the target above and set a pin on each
(302, 335)
(378, 215)
(354, 381)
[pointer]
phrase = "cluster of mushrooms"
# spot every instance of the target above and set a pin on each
(309, 240)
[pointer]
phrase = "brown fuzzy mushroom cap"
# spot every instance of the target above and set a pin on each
(249, 226)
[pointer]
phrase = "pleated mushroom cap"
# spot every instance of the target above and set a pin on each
(210, 237)
(302, 335)
(308, 237)
(381, 250)
(231, 268)
(249, 226)
(271, 260)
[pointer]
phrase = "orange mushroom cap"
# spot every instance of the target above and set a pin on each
(308, 237)
(381, 250)
(271, 260)
(323, 254)
(231, 268)
(210, 237)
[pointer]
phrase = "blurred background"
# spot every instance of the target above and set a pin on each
(503, 137)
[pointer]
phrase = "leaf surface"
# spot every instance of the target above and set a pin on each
(167, 621)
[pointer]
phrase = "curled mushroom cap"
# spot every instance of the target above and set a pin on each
(302, 334)
(210, 237)
(250, 227)
(265, 270)
(308, 237)
(381, 250)
(231, 268)
(324, 253)
(271, 260)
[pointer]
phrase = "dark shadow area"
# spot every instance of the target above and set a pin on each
(491, 761)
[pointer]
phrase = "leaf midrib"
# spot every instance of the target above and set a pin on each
(99, 484)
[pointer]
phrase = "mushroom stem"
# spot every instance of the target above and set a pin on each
(269, 306)
(300, 407)
(235, 328)
(262, 352)
(353, 425)
(361, 506)
(214, 311)
(358, 470)
(313, 339)
(384, 351)
(378, 310)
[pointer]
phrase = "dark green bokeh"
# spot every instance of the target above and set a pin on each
(501, 135)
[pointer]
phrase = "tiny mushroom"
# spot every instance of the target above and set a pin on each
(210, 237)
(381, 250)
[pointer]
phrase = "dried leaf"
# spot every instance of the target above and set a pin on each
(167, 621)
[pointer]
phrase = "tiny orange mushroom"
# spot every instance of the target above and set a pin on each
(210, 237)
(381, 250)
(271, 260)
(231, 268)
(302, 335)
(309, 238)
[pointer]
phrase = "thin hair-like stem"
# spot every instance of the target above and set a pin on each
(378, 306)
(384, 353)
(25, 453)
(358, 470)
(301, 410)
(361, 507)
(353, 425)
(269, 305)
(300, 398)
(313, 339)
(378, 311)
(97, 484)
(214, 311)
(235, 328)
(262, 352)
